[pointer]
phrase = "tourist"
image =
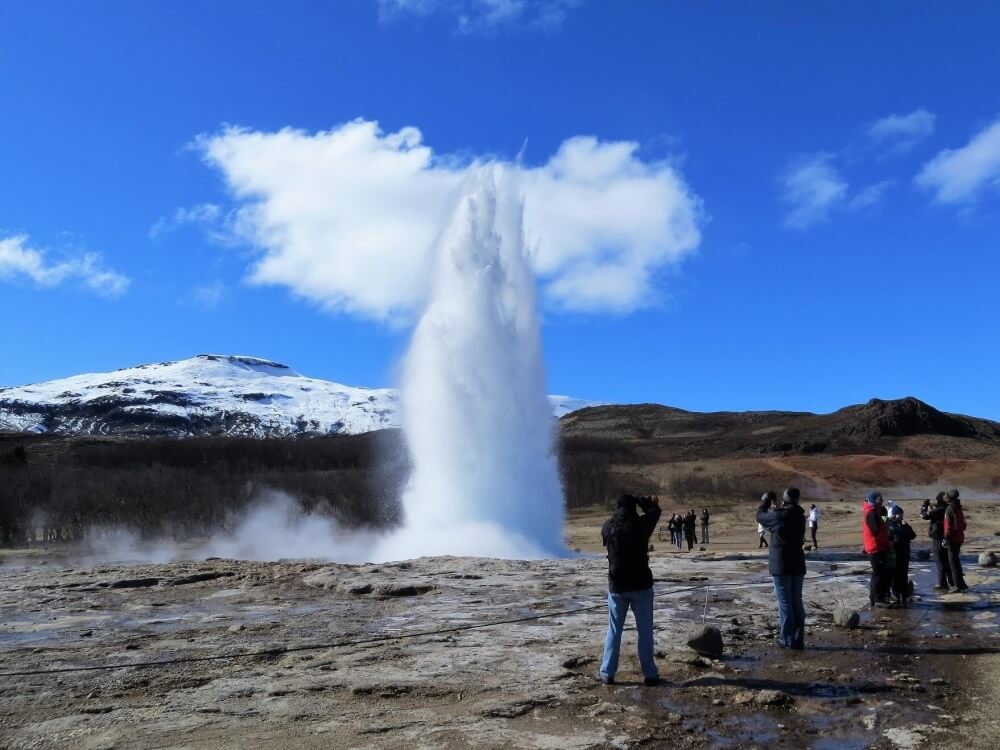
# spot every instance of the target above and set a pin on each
(786, 564)
(814, 524)
(630, 584)
(762, 535)
(875, 534)
(689, 522)
(935, 530)
(674, 528)
(954, 536)
(704, 525)
(900, 536)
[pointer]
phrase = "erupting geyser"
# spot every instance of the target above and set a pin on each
(475, 415)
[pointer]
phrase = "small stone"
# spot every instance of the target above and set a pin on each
(938, 681)
(987, 560)
(717, 702)
(846, 618)
(237, 628)
(772, 698)
(705, 640)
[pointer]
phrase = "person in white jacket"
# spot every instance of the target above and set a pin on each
(813, 522)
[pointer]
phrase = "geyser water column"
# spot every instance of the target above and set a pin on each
(475, 415)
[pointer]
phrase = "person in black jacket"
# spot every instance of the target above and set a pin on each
(900, 535)
(689, 523)
(630, 583)
(786, 563)
(935, 530)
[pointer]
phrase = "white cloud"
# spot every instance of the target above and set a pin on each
(209, 295)
(959, 175)
(203, 214)
(346, 217)
(19, 260)
(900, 133)
(870, 197)
(811, 187)
(473, 16)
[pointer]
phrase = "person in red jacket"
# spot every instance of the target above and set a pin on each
(954, 535)
(875, 534)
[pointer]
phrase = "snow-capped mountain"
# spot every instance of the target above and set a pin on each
(206, 395)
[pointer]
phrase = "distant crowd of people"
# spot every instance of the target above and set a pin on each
(682, 528)
(886, 539)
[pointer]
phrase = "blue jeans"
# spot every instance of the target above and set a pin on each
(791, 612)
(641, 603)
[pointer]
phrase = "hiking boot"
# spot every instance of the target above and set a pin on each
(941, 587)
(606, 680)
(652, 681)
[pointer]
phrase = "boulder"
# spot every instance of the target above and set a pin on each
(705, 640)
(846, 618)
(987, 559)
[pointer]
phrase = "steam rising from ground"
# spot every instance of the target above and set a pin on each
(475, 417)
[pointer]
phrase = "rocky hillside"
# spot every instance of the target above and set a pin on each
(205, 395)
(875, 427)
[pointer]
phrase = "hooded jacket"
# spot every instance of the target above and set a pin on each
(626, 535)
(873, 530)
(954, 523)
(787, 524)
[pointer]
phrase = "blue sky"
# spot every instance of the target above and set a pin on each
(834, 169)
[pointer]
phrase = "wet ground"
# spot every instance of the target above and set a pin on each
(380, 656)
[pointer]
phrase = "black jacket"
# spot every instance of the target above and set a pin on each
(626, 535)
(787, 524)
(935, 529)
(901, 534)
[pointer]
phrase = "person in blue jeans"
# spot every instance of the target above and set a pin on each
(786, 563)
(630, 583)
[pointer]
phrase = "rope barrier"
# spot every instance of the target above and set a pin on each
(388, 637)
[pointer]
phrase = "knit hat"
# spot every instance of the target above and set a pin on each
(770, 495)
(897, 511)
(953, 494)
(791, 496)
(873, 497)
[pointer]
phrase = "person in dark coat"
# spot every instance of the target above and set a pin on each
(954, 537)
(704, 517)
(689, 523)
(786, 563)
(900, 536)
(935, 530)
(630, 583)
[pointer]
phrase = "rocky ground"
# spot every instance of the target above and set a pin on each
(471, 653)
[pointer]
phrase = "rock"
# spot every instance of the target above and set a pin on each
(705, 640)
(361, 588)
(701, 549)
(923, 554)
(846, 618)
(402, 589)
(772, 698)
(133, 583)
(237, 628)
(577, 661)
(987, 560)
(938, 681)
(198, 577)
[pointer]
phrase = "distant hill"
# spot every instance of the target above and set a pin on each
(210, 394)
(877, 427)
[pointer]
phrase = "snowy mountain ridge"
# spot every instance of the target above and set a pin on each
(210, 394)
